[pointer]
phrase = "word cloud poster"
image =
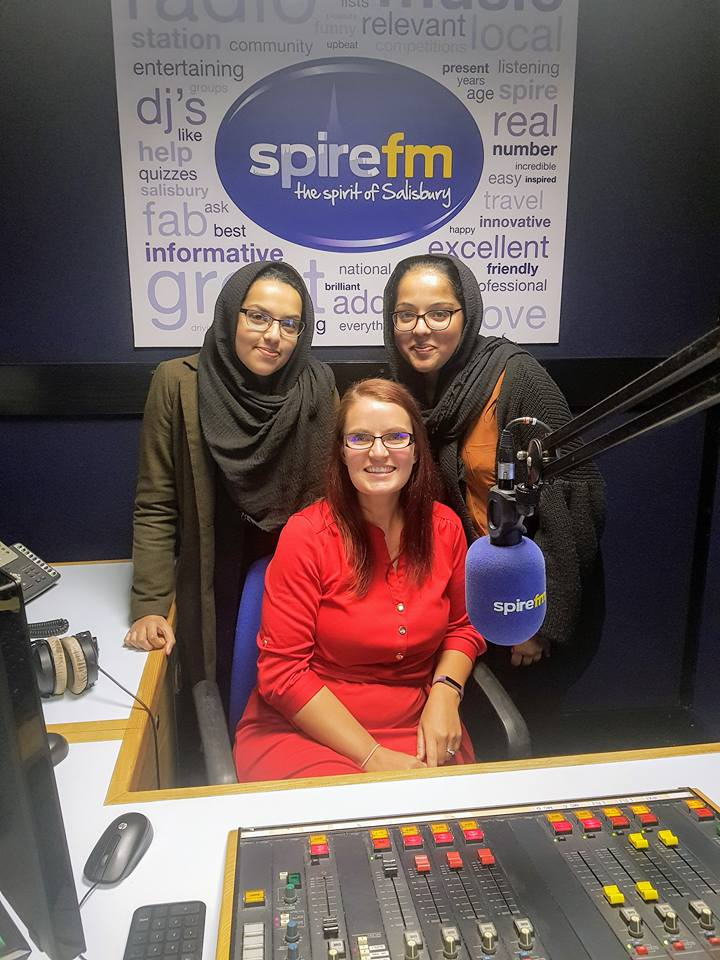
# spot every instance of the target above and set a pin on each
(342, 136)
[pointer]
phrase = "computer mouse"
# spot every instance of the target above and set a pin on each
(119, 849)
(58, 748)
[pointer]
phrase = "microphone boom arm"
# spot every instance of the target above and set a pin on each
(509, 504)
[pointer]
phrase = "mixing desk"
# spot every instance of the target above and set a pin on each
(606, 878)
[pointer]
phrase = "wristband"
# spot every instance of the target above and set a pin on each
(364, 763)
(457, 687)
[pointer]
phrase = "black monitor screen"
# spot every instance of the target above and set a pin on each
(35, 871)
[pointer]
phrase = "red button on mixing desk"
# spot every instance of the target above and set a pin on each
(442, 839)
(619, 823)
(714, 941)
(422, 864)
(381, 843)
(642, 950)
(648, 819)
(319, 850)
(678, 945)
(454, 860)
(412, 840)
(704, 813)
(591, 826)
(485, 856)
(561, 827)
(474, 836)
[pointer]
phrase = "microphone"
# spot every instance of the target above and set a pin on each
(505, 590)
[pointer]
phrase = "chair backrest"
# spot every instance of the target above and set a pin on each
(244, 665)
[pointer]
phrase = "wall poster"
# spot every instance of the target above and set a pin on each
(343, 136)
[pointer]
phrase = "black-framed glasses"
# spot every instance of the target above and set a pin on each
(396, 440)
(438, 319)
(260, 321)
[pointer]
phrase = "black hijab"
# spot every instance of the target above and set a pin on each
(269, 436)
(465, 382)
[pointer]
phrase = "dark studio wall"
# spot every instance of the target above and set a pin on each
(640, 280)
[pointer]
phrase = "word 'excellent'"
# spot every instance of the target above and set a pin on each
(363, 160)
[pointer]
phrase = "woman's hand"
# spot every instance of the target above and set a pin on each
(532, 651)
(439, 731)
(150, 633)
(384, 759)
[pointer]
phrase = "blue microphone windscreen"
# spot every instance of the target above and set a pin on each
(505, 590)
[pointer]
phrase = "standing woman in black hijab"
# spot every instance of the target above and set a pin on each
(470, 386)
(233, 442)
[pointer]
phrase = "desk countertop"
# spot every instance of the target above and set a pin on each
(186, 858)
(94, 597)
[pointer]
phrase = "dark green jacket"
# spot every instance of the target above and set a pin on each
(175, 515)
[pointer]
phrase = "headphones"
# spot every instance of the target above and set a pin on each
(65, 663)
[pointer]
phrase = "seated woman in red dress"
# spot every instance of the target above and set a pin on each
(364, 644)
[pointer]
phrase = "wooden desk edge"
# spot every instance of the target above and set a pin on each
(90, 730)
(137, 732)
(507, 766)
(222, 950)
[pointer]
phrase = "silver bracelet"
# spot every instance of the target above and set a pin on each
(364, 763)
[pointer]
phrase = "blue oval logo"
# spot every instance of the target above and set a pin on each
(349, 155)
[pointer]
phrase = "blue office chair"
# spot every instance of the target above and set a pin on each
(215, 727)
(244, 666)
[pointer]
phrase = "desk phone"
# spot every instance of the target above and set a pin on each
(35, 575)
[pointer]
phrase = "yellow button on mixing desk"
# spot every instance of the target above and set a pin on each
(584, 815)
(317, 838)
(379, 834)
(408, 831)
(468, 824)
(613, 895)
(254, 898)
(439, 828)
(667, 838)
(638, 841)
(612, 811)
(638, 808)
(646, 890)
(694, 804)
(554, 817)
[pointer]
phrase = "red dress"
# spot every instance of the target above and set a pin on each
(376, 653)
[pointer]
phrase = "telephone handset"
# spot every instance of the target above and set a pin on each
(35, 575)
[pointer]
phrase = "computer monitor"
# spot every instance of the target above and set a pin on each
(36, 876)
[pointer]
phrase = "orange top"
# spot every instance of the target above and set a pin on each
(478, 453)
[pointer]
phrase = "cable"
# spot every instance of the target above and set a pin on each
(92, 888)
(153, 721)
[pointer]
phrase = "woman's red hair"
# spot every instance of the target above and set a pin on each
(416, 497)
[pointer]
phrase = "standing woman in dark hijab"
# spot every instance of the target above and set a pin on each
(470, 386)
(233, 442)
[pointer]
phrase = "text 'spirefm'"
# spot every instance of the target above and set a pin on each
(506, 607)
(395, 158)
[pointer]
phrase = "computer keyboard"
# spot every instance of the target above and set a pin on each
(167, 930)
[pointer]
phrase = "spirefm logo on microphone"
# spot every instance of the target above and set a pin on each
(349, 154)
(517, 606)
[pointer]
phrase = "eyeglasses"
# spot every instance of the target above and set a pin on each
(397, 440)
(406, 320)
(259, 321)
